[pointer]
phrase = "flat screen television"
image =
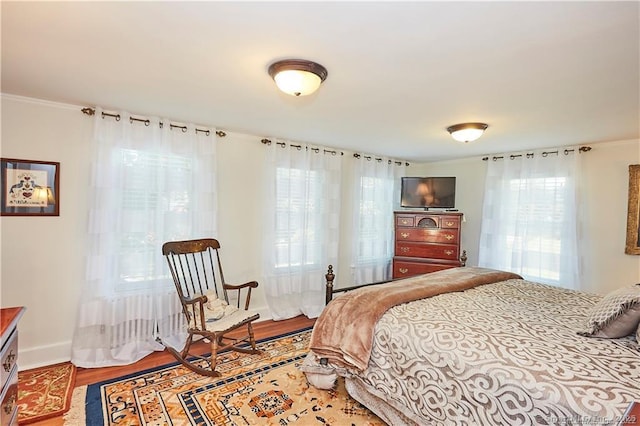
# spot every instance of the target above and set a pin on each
(428, 192)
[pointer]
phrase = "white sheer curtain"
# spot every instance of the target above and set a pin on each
(149, 184)
(530, 217)
(376, 183)
(302, 209)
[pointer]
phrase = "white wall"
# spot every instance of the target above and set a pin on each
(42, 257)
(605, 266)
(42, 262)
(606, 187)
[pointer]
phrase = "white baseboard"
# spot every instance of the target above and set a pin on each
(40, 356)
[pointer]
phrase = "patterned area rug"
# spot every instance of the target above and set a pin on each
(265, 389)
(45, 392)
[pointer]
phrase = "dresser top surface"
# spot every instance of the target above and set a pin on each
(428, 212)
(9, 317)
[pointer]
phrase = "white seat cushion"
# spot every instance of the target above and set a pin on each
(229, 320)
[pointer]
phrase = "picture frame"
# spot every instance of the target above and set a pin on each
(29, 188)
(633, 211)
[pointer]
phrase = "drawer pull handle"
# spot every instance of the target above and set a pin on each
(404, 221)
(448, 252)
(8, 362)
(403, 270)
(449, 223)
(8, 406)
(404, 249)
(404, 234)
(449, 237)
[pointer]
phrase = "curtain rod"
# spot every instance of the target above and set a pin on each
(378, 159)
(266, 141)
(92, 111)
(544, 154)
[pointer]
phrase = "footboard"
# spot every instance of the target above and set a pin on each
(330, 291)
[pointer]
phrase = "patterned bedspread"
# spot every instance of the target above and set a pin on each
(499, 354)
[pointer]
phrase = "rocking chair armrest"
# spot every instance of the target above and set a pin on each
(249, 286)
(252, 284)
(193, 300)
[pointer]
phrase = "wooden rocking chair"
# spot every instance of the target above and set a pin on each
(197, 273)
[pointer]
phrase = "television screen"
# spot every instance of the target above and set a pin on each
(427, 192)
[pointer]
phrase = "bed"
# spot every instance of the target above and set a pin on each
(473, 346)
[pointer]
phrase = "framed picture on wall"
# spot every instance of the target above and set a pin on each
(29, 188)
(633, 211)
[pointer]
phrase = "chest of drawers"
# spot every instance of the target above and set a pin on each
(426, 242)
(9, 318)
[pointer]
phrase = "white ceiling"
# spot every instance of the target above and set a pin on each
(541, 74)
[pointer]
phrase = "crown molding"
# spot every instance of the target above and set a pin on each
(37, 101)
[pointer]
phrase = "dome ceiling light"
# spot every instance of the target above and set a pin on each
(467, 132)
(297, 77)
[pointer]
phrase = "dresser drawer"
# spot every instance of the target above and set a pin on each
(404, 220)
(8, 356)
(434, 251)
(9, 404)
(427, 235)
(402, 269)
(450, 222)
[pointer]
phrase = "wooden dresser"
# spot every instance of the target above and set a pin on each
(9, 318)
(631, 416)
(426, 242)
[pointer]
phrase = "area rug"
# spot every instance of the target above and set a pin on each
(45, 392)
(264, 389)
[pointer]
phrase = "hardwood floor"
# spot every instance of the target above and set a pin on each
(87, 376)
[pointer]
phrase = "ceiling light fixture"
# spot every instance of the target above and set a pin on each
(467, 132)
(297, 77)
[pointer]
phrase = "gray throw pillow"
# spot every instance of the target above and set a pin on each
(616, 315)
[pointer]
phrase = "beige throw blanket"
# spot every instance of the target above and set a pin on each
(344, 331)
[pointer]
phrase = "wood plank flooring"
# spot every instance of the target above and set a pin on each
(87, 376)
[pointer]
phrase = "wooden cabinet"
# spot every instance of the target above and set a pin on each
(426, 242)
(9, 318)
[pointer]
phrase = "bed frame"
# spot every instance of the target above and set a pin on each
(330, 291)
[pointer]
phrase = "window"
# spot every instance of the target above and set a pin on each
(150, 205)
(375, 220)
(298, 222)
(544, 215)
(302, 220)
(529, 218)
(376, 192)
(150, 183)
